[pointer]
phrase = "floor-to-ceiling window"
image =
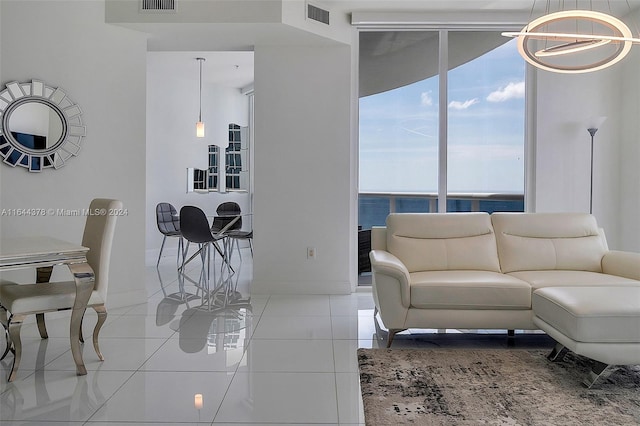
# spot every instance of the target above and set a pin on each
(485, 138)
(401, 156)
(441, 123)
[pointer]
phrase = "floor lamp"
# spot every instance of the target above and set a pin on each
(592, 127)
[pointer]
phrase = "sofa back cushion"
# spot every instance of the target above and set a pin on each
(443, 241)
(548, 241)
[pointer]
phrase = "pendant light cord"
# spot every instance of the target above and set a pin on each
(200, 112)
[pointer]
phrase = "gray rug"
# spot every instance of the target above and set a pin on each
(492, 387)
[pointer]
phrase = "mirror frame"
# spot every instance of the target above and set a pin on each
(73, 130)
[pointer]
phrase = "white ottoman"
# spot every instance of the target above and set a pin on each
(601, 323)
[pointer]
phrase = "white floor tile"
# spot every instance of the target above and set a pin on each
(201, 354)
(119, 354)
(202, 323)
(166, 397)
(37, 423)
(139, 424)
(163, 306)
(278, 327)
(36, 354)
(289, 360)
(136, 326)
(280, 398)
(350, 408)
(352, 304)
(298, 305)
(59, 395)
(258, 304)
(271, 424)
(353, 327)
(289, 356)
(344, 354)
(57, 324)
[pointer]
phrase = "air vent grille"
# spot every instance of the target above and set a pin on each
(317, 14)
(161, 5)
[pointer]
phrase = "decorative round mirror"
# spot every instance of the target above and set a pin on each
(40, 127)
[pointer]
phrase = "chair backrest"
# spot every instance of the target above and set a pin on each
(194, 225)
(167, 218)
(98, 236)
(228, 208)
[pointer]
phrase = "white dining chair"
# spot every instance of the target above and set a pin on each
(25, 299)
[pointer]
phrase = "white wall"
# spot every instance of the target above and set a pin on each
(629, 158)
(302, 169)
(172, 147)
(102, 68)
(294, 13)
(564, 104)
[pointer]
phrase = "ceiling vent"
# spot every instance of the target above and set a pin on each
(158, 5)
(317, 14)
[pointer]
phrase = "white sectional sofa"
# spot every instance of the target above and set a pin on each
(480, 271)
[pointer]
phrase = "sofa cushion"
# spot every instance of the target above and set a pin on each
(468, 290)
(443, 241)
(546, 241)
(591, 314)
(541, 279)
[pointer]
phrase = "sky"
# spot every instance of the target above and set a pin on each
(399, 130)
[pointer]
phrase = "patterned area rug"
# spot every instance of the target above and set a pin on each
(492, 387)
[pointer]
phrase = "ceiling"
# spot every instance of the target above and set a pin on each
(227, 45)
(616, 7)
(242, 37)
(228, 69)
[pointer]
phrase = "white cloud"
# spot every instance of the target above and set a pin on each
(463, 105)
(510, 91)
(426, 99)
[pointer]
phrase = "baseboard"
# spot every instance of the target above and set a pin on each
(299, 287)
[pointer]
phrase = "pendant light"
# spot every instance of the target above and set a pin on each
(574, 41)
(200, 124)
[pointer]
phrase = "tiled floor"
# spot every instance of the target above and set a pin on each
(270, 360)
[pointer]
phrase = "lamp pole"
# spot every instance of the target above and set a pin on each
(593, 124)
(592, 131)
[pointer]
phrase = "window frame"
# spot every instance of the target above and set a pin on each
(443, 30)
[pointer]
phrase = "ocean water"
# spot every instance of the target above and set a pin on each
(373, 210)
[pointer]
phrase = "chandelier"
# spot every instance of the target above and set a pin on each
(574, 41)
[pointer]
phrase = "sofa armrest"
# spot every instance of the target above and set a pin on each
(384, 263)
(622, 263)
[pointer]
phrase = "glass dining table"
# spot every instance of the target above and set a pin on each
(43, 253)
(229, 219)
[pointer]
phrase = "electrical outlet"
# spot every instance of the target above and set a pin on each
(311, 252)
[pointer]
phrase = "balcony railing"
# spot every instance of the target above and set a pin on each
(375, 206)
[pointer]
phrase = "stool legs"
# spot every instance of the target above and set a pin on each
(181, 251)
(161, 248)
